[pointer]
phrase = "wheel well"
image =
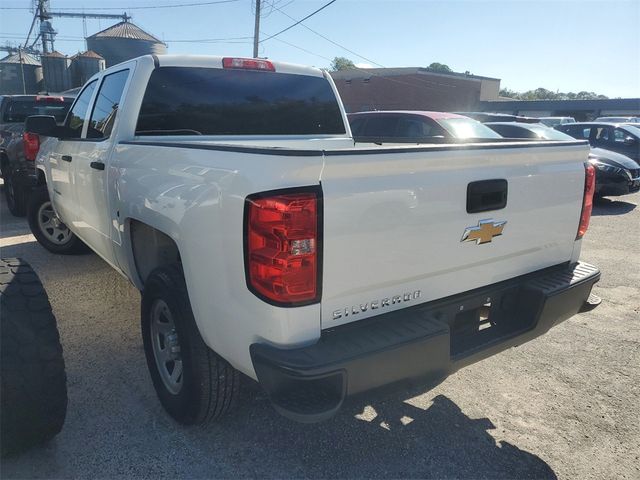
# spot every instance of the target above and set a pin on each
(151, 249)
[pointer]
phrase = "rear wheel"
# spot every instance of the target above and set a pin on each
(34, 389)
(193, 383)
(48, 229)
(15, 194)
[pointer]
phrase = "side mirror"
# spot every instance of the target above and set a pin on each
(629, 141)
(42, 125)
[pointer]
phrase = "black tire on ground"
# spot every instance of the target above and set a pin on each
(15, 195)
(210, 385)
(34, 384)
(72, 245)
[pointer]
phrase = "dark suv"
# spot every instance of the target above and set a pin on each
(18, 149)
(624, 139)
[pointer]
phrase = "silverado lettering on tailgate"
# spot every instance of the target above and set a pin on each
(375, 304)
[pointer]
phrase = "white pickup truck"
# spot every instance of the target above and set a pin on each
(265, 241)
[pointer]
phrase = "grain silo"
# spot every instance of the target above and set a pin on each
(56, 69)
(124, 41)
(85, 65)
(20, 73)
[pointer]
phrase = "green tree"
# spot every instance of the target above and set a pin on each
(544, 94)
(439, 67)
(505, 92)
(342, 63)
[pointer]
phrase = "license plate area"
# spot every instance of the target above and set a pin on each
(490, 318)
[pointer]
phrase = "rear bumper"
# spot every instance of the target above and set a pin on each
(425, 343)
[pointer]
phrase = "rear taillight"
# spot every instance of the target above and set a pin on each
(282, 246)
(248, 64)
(31, 144)
(587, 199)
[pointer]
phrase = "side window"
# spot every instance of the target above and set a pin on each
(357, 125)
(381, 126)
(602, 134)
(586, 133)
(75, 119)
(619, 135)
(411, 128)
(105, 108)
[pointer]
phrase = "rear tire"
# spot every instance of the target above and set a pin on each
(206, 386)
(34, 384)
(15, 195)
(45, 225)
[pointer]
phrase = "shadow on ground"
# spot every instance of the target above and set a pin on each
(389, 438)
(605, 206)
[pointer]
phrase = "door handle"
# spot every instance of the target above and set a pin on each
(66, 158)
(486, 195)
(97, 165)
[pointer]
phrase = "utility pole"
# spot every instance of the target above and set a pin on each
(256, 31)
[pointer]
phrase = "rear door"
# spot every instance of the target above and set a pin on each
(93, 220)
(395, 220)
(61, 157)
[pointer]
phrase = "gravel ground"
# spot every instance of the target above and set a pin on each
(562, 406)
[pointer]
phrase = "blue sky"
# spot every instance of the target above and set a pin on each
(561, 45)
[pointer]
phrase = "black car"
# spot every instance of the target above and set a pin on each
(18, 149)
(621, 138)
(498, 117)
(616, 174)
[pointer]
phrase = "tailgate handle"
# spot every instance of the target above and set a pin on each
(66, 158)
(486, 195)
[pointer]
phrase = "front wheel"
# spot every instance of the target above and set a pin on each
(193, 383)
(48, 229)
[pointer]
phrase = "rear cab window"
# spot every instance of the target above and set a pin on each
(213, 101)
(17, 110)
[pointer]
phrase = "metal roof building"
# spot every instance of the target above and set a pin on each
(20, 73)
(56, 69)
(124, 41)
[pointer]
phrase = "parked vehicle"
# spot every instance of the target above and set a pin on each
(498, 117)
(553, 121)
(418, 126)
(616, 174)
(618, 119)
(18, 149)
(527, 130)
(230, 192)
(624, 139)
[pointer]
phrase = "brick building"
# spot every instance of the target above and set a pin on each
(413, 88)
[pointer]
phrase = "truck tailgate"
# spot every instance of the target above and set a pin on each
(395, 218)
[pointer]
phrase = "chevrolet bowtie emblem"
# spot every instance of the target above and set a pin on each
(484, 232)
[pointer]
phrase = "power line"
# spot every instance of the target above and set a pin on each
(303, 49)
(328, 39)
(298, 22)
(146, 7)
(208, 40)
(369, 72)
